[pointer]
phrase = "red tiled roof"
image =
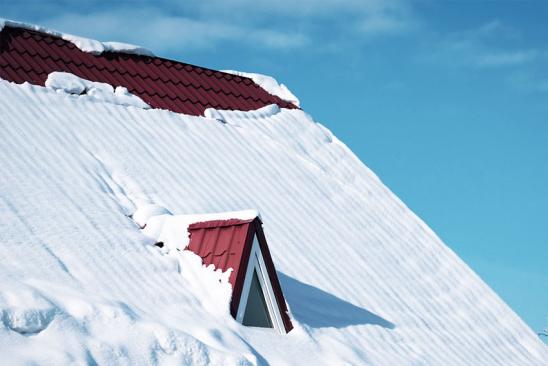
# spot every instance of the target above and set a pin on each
(27, 55)
(227, 244)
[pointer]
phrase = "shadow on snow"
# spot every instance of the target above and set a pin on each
(318, 309)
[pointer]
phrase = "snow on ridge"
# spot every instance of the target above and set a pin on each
(64, 82)
(127, 48)
(84, 44)
(269, 84)
(172, 230)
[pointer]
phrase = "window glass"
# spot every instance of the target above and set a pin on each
(256, 312)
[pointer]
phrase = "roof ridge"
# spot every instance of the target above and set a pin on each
(30, 55)
(195, 68)
(220, 223)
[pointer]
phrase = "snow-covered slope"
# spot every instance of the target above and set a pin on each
(366, 280)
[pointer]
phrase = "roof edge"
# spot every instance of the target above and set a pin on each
(221, 223)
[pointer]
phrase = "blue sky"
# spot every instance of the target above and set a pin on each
(447, 101)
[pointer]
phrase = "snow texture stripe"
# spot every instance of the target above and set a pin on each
(367, 281)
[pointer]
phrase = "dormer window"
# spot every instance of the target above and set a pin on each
(258, 305)
(257, 298)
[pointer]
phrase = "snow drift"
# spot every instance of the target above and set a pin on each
(366, 281)
(269, 84)
(63, 82)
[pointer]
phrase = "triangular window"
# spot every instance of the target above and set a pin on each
(256, 311)
(258, 306)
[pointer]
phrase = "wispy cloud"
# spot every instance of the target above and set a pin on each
(493, 29)
(174, 26)
(495, 48)
(519, 57)
(166, 33)
(387, 18)
(529, 81)
(491, 45)
(383, 25)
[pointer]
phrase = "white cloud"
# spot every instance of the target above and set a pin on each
(529, 81)
(505, 58)
(387, 18)
(491, 45)
(276, 39)
(160, 32)
(169, 25)
(379, 24)
(303, 8)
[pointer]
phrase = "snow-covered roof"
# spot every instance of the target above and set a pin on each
(365, 280)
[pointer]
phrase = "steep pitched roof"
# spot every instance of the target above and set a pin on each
(228, 244)
(28, 55)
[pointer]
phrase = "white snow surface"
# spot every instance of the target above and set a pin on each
(64, 82)
(269, 84)
(366, 281)
(85, 44)
(172, 230)
(144, 212)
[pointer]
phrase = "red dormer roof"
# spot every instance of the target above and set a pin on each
(228, 244)
(30, 56)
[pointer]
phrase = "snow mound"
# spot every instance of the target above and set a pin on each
(84, 44)
(129, 48)
(172, 230)
(70, 329)
(227, 116)
(64, 82)
(269, 84)
(25, 311)
(213, 113)
(146, 211)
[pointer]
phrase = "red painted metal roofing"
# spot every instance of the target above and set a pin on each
(227, 244)
(27, 55)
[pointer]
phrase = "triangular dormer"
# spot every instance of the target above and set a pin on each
(257, 298)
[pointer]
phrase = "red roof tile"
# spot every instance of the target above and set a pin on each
(27, 55)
